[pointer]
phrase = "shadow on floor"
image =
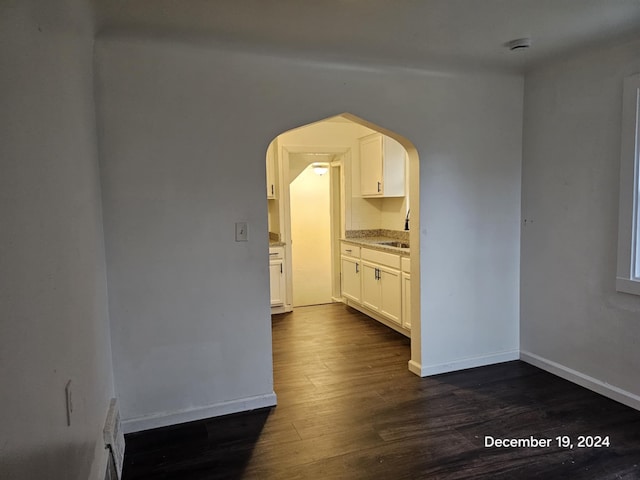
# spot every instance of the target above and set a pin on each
(195, 450)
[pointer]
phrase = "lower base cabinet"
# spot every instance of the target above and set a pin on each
(351, 287)
(276, 276)
(375, 283)
(382, 291)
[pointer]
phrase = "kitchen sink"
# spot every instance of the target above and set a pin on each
(394, 244)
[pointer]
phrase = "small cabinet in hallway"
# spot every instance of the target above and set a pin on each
(277, 276)
(351, 268)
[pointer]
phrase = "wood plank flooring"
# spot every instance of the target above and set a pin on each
(348, 408)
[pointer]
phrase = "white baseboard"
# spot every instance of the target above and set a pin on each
(462, 364)
(598, 386)
(415, 367)
(281, 309)
(147, 422)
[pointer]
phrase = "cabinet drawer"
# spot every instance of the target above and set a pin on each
(350, 250)
(406, 264)
(382, 258)
(276, 253)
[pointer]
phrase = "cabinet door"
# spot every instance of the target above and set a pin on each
(406, 300)
(276, 276)
(394, 162)
(351, 279)
(370, 286)
(371, 165)
(390, 294)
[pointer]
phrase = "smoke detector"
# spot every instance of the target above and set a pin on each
(518, 44)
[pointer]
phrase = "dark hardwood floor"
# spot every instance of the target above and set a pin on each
(348, 408)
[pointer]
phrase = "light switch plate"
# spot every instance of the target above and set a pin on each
(241, 231)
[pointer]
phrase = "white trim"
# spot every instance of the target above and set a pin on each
(593, 384)
(627, 265)
(627, 285)
(156, 420)
(464, 363)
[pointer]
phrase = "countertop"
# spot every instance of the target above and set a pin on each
(373, 242)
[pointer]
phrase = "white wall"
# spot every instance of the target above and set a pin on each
(53, 294)
(570, 312)
(393, 211)
(186, 128)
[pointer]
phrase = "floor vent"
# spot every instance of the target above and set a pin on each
(114, 440)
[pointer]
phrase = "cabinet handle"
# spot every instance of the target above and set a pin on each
(357, 268)
(273, 189)
(272, 253)
(348, 250)
(280, 269)
(379, 187)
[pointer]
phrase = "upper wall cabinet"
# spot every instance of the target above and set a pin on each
(382, 167)
(271, 172)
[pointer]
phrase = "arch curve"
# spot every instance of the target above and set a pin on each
(413, 201)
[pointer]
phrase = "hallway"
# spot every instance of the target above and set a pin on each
(348, 408)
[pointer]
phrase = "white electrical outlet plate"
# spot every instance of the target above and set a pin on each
(241, 231)
(114, 436)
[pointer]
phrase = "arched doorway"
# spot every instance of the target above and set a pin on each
(351, 212)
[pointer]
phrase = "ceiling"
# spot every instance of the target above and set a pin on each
(412, 33)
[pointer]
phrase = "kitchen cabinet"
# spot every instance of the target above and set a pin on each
(381, 284)
(370, 287)
(382, 167)
(271, 173)
(372, 282)
(381, 291)
(277, 276)
(350, 269)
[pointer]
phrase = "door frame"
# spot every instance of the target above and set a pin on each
(336, 195)
(344, 154)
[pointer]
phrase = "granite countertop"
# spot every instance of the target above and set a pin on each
(373, 241)
(275, 240)
(364, 238)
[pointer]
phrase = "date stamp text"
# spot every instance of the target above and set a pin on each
(561, 441)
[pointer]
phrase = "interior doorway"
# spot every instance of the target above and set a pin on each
(310, 207)
(295, 160)
(353, 213)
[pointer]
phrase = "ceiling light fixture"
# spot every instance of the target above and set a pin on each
(320, 168)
